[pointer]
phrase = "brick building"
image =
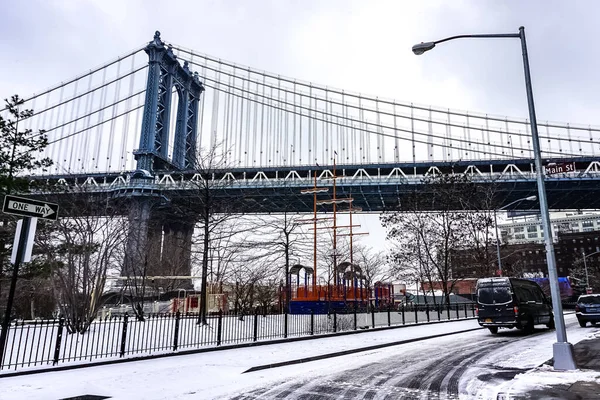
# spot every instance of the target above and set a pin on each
(524, 259)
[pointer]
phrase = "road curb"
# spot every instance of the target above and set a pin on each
(219, 348)
(352, 351)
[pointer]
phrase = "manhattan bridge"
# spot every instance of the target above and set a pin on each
(135, 128)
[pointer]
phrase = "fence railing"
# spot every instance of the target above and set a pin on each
(48, 342)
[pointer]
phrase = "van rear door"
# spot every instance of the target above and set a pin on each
(495, 303)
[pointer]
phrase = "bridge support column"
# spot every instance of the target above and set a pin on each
(176, 251)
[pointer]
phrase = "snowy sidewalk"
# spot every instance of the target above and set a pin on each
(546, 383)
(172, 377)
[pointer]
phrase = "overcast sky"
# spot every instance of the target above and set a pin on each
(362, 46)
(354, 45)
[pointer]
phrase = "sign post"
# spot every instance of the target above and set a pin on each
(30, 209)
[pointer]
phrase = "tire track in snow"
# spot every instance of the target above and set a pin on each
(434, 374)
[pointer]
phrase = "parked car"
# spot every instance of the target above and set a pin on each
(512, 303)
(588, 309)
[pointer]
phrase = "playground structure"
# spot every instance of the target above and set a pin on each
(341, 298)
(347, 286)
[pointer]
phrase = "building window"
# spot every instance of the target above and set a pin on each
(574, 224)
(520, 236)
(532, 229)
(588, 229)
(519, 229)
(532, 235)
(587, 224)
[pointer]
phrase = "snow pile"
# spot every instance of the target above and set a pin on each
(541, 378)
(593, 335)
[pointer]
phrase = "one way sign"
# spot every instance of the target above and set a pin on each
(30, 208)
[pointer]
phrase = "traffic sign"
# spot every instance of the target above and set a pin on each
(30, 208)
(559, 168)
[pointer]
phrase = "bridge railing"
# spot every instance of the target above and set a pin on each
(44, 343)
(383, 174)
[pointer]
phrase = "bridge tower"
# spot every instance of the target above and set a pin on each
(159, 242)
(165, 74)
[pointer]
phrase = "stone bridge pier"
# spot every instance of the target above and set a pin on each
(159, 243)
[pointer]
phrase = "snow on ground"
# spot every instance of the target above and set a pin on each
(215, 374)
(220, 374)
(526, 354)
(544, 376)
(32, 345)
(531, 352)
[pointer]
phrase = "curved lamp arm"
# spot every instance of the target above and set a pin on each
(421, 48)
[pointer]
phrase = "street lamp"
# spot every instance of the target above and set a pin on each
(562, 350)
(530, 198)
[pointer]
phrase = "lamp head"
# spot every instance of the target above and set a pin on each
(421, 48)
(531, 198)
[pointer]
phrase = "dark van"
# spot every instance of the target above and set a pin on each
(512, 303)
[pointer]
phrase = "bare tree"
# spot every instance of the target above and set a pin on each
(409, 262)
(443, 220)
(481, 252)
(584, 273)
(374, 265)
(278, 239)
(209, 206)
(266, 293)
(227, 252)
(245, 277)
(84, 246)
(143, 256)
(34, 295)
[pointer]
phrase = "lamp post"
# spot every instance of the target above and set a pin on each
(562, 350)
(529, 198)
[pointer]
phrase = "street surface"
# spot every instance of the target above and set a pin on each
(468, 365)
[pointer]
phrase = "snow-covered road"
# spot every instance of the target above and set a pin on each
(471, 364)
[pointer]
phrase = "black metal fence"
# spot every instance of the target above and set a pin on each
(48, 342)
